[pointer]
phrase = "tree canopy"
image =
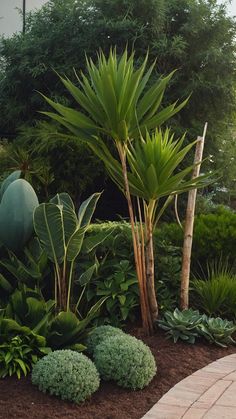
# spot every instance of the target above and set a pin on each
(196, 37)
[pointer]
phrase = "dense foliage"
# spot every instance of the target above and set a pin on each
(20, 348)
(126, 360)
(67, 374)
(214, 237)
(195, 38)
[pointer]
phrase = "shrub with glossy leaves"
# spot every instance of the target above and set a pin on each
(67, 374)
(126, 360)
(100, 334)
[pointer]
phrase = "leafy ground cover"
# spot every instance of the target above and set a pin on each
(174, 362)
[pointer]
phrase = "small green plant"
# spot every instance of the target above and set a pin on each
(67, 331)
(20, 348)
(30, 269)
(121, 290)
(28, 308)
(181, 324)
(126, 360)
(218, 331)
(67, 374)
(99, 335)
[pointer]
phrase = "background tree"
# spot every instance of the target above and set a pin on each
(195, 37)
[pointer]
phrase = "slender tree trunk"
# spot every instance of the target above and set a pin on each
(23, 14)
(189, 223)
(150, 272)
(145, 312)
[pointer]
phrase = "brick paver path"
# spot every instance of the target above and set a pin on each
(209, 393)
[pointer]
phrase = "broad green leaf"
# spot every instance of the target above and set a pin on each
(87, 209)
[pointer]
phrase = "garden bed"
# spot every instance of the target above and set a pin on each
(20, 399)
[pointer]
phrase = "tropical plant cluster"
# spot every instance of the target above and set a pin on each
(61, 277)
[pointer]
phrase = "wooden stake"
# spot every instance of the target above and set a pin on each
(189, 223)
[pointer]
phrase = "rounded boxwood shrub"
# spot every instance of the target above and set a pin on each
(100, 334)
(67, 374)
(126, 360)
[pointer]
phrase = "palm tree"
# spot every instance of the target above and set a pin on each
(117, 106)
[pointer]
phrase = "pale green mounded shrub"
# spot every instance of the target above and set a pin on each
(100, 334)
(126, 360)
(67, 374)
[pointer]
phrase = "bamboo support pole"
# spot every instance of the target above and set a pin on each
(189, 223)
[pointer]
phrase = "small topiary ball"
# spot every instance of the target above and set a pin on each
(67, 374)
(100, 334)
(126, 360)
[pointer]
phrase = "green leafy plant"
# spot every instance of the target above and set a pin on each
(181, 324)
(28, 308)
(117, 247)
(20, 348)
(61, 330)
(126, 360)
(121, 290)
(30, 269)
(67, 331)
(218, 331)
(99, 334)
(67, 374)
(61, 234)
(17, 205)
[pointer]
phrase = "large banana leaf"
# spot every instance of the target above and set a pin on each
(52, 226)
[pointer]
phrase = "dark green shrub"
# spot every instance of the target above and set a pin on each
(181, 324)
(126, 360)
(99, 334)
(67, 374)
(214, 236)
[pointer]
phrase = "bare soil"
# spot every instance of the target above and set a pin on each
(20, 399)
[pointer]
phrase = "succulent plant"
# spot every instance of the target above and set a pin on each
(218, 331)
(181, 324)
(18, 203)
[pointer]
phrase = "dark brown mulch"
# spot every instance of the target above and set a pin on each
(20, 399)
